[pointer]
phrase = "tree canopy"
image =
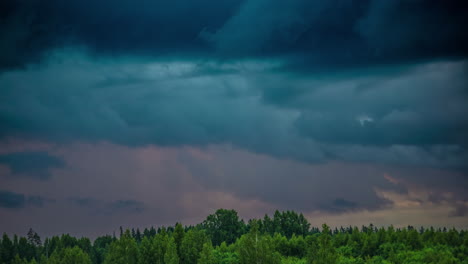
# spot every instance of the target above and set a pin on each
(284, 238)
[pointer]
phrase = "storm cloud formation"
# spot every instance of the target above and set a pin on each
(328, 33)
(320, 106)
(31, 164)
(12, 200)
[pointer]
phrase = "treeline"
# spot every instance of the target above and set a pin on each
(223, 238)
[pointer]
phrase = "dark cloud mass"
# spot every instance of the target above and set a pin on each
(13, 200)
(332, 108)
(316, 33)
(31, 164)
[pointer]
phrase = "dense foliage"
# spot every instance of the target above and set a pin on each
(223, 238)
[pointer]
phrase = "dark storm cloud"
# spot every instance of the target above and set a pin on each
(13, 200)
(340, 205)
(413, 116)
(327, 33)
(315, 33)
(315, 100)
(415, 107)
(34, 165)
(31, 28)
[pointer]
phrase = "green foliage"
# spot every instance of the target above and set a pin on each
(223, 225)
(99, 248)
(256, 248)
(123, 251)
(322, 251)
(148, 253)
(285, 223)
(285, 238)
(178, 236)
(18, 260)
(73, 255)
(292, 260)
(7, 250)
(226, 255)
(170, 257)
(207, 255)
(192, 245)
(159, 246)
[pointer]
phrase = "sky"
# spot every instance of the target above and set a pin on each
(146, 113)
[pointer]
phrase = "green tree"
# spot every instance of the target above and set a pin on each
(207, 255)
(123, 251)
(99, 248)
(322, 251)
(6, 250)
(178, 236)
(18, 260)
(148, 254)
(170, 257)
(226, 255)
(26, 249)
(73, 255)
(192, 245)
(287, 223)
(223, 225)
(160, 242)
(256, 248)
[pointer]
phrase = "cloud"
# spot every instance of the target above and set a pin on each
(312, 33)
(198, 180)
(13, 200)
(35, 165)
(309, 118)
(150, 28)
(261, 104)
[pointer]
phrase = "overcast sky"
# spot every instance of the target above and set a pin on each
(139, 113)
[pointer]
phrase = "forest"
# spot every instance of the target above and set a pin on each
(284, 238)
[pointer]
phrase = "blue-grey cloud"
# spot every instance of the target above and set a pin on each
(34, 165)
(13, 200)
(411, 116)
(330, 83)
(340, 205)
(315, 34)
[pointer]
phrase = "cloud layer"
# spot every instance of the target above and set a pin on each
(352, 108)
(315, 33)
